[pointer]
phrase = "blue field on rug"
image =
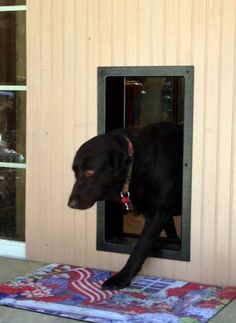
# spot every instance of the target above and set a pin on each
(75, 292)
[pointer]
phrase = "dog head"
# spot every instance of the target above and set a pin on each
(100, 168)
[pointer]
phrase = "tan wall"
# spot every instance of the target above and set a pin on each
(67, 40)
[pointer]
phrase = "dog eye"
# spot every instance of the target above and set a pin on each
(89, 173)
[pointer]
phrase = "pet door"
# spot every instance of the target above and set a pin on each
(136, 96)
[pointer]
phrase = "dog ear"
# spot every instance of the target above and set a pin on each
(119, 161)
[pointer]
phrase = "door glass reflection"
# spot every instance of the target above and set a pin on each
(13, 48)
(12, 119)
(12, 2)
(12, 204)
(12, 126)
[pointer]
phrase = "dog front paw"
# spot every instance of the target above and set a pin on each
(115, 282)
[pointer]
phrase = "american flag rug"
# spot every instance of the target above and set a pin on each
(75, 292)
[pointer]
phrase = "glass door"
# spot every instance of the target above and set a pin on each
(12, 127)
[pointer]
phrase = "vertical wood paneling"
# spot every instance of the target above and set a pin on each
(80, 113)
(185, 35)
(93, 58)
(68, 116)
(105, 32)
(93, 19)
(118, 32)
(210, 139)
(131, 32)
(67, 40)
(33, 218)
(143, 32)
(56, 131)
(232, 221)
(224, 142)
(198, 49)
(44, 127)
(171, 32)
(157, 32)
(81, 60)
(184, 57)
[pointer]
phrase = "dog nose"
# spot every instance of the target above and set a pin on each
(73, 204)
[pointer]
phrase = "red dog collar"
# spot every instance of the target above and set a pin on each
(125, 200)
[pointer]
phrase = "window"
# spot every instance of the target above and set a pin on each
(12, 119)
(136, 96)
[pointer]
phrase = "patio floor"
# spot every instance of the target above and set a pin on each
(11, 268)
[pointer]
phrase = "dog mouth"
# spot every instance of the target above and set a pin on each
(80, 205)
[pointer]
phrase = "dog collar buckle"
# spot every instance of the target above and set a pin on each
(126, 202)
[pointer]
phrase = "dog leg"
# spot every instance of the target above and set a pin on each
(170, 229)
(152, 228)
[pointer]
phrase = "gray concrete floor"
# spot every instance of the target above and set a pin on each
(11, 268)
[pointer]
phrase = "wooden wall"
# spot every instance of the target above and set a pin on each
(67, 40)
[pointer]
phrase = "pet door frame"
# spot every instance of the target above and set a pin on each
(161, 250)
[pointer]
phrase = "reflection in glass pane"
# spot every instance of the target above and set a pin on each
(12, 126)
(12, 2)
(153, 99)
(13, 48)
(12, 203)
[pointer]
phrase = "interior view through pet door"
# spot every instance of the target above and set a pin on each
(137, 96)
(12, 127)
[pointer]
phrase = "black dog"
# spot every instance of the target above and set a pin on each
(153, 155)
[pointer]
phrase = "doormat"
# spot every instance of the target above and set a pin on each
(75, 292)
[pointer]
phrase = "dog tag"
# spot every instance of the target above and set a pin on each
(125, 200)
